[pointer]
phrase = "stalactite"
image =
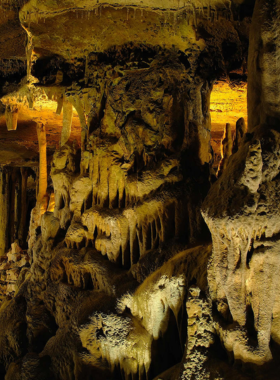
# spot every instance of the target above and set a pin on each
(29, 52)
(67, 122)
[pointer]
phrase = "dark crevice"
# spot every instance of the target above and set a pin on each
(166, 350)
(249, 255)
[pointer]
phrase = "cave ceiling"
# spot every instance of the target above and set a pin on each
(60, 43)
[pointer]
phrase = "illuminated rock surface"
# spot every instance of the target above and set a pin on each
(111, 120)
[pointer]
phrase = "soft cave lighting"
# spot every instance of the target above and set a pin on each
(130, 248)
(228, 103)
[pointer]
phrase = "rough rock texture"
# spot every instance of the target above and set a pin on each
(226, 149)
(241, 130)
(241, 211)
(263, 66)
(242, 273)
(12, 267)
(107, 266)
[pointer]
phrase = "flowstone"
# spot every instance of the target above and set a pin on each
(242, 214)
(119, 279)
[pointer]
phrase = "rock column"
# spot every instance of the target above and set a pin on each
(226, 149)
(23, 215)
(11, 115)
(67, 122)
(43, 174)
(264, 65)
(4, 195)
(13, 210)
(241, 129)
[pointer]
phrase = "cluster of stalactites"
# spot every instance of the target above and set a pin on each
(188, 11)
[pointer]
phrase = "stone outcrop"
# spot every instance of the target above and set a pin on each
(226, 149)
(13, 268)
(240, 132)
(263, 66)
(107, 266)
(11, 117)
(242, 216)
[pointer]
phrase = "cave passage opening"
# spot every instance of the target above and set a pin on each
(228, 103)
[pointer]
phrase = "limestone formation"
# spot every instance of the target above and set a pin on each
(242, 214)
(67, 122)
(240, 132)
(107, 267)
(42, 190)
(11, 117)
(226, 149)
(12, 269)
(263, 67)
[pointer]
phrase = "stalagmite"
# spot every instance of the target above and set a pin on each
(123, 280)
(11, 115)
(59, 105)
(51, 205)
(67, 122)
(226, 149)
(241, 130)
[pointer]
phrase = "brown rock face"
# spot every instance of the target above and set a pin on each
(107, 269)
(263, 90)
(243, 272)
(241, 130)
(242, 214)
(226, 149)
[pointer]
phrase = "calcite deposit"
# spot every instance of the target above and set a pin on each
(139, 221)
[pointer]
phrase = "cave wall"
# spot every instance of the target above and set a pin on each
(108, 269)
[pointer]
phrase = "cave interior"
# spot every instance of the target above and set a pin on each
(139, 202)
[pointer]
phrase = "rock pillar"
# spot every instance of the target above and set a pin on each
(67, 122)
(242, 209)
(22, 224)
(264, 65)
(12, 208)
(226, 149)
(43, 174)
(241, 129)
(11, 115)
(4, 220)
